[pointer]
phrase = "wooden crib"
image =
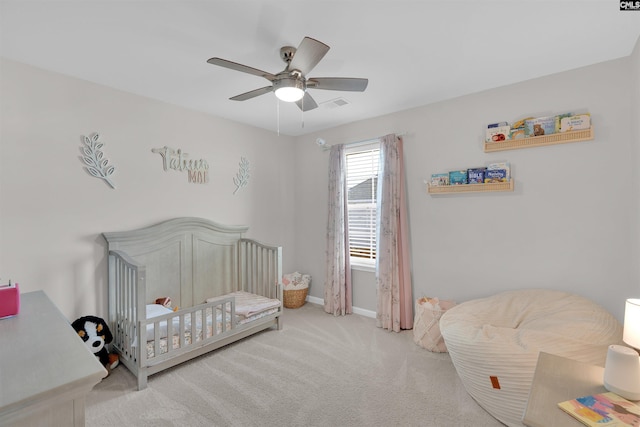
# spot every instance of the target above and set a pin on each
(210, 273)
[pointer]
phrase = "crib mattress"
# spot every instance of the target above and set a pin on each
(249, 307)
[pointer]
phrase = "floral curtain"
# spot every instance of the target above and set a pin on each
(393, 275)
(337, 288)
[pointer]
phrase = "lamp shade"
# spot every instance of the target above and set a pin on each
(289, 94)
(622, 372)
(631, 333)
(289, 89)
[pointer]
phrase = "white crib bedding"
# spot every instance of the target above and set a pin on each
(156, 310)
(256, 308)
(248, 304)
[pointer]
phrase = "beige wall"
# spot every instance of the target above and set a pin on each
(635, 131)
(52, 212)
(571, 223)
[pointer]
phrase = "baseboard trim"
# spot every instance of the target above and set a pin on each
(364, 312)
(356, 310)
(315, 300)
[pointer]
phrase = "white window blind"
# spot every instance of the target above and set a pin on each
(362, 180)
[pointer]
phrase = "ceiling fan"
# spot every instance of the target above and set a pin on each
(291, 84)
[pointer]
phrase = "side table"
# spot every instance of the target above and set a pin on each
(555, 380)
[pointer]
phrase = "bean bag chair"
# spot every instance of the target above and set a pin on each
(494, 342)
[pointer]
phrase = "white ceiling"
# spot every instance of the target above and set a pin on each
(413, 52)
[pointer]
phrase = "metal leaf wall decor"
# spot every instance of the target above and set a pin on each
(93, 157)
(242, 177)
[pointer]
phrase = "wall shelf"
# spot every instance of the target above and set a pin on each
(470, 188)
(539, 141)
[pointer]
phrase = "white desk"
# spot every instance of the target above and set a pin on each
(555, 380)
(45, 368)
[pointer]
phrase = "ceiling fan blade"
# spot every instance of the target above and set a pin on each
(239, 67)
(252, 94)
(307, 102)
(307, 55)
(338, 83)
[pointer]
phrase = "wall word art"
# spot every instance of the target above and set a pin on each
(94, 159)
(242, 177)
(197, 170)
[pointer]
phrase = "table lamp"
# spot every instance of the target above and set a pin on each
(622, 366)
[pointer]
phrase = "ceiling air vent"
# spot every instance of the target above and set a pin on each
(335, 103)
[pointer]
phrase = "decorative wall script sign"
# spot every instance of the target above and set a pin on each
(93, 157)
(242, 177)
(197, 170)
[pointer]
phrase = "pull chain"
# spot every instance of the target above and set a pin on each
(278, 114)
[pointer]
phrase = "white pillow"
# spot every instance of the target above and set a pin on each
(155, 310)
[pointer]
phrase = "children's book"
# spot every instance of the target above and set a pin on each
(458, 177)
(438, 179)
(475, 175)
(603, 410)
(495, 175)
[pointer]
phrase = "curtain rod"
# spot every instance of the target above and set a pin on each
(323, 143)
(370, 140)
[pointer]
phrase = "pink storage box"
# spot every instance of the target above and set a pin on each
(9, 300)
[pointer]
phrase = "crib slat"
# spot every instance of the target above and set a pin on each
(182, 335)
(156, 338)
(193, 327)
(170, 335)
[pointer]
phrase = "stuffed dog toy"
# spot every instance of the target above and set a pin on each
(96, 335)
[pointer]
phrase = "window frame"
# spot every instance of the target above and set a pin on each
(358, 263)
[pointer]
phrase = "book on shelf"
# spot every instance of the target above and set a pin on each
(458, 177)
(579, 122)
(603, 410)
(540, 126)
(439, 179)
(475, 175)
(495, 175)
(498, 134)
(497, 125)
(501, 165)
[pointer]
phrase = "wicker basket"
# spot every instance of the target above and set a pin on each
(295, 298)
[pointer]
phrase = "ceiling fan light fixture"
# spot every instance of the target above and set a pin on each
(289, 89)
(291, 84)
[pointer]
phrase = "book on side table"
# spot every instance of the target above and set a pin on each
(603, 410)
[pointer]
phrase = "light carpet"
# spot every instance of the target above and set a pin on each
(319, 370)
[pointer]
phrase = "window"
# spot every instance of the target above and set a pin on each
(362, 180)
